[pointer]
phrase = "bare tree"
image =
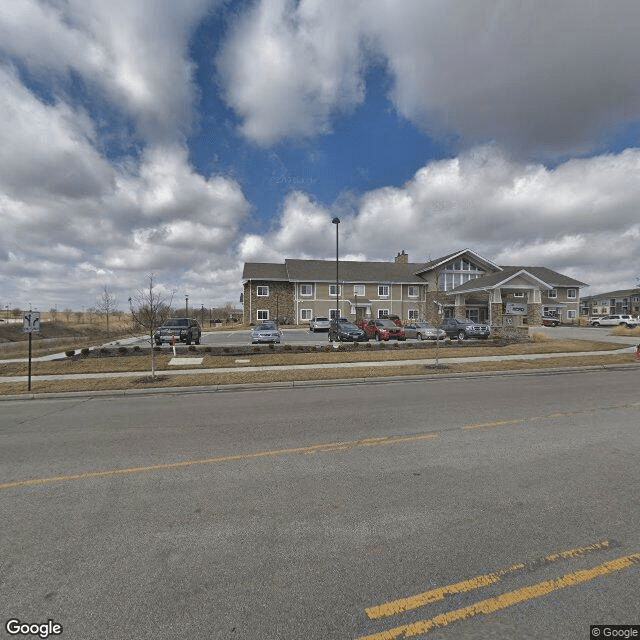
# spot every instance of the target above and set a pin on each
(106, 305)
(149, 309)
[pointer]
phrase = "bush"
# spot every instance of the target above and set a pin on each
(208, 349)
(70, 353)
(85, 351)
(192, 348)
(104, 351)
(123, 350)
(136, 347)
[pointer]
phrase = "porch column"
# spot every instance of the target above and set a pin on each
(495, 306)
(534, 307)
(459, 306)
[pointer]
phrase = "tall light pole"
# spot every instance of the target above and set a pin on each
(186, 305)
(336, 221)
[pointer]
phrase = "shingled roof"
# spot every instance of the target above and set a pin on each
(547, 276)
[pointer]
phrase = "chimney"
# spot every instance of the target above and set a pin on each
(402, 257)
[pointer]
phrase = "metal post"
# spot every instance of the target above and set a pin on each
(29, 383)
(336, 221)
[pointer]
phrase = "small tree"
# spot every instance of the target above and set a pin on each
(149, 309)
(106, 305)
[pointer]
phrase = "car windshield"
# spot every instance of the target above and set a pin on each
(322, 319)
(386, 323)
(349, 326)
(265, 327)
(424, 325)
(176, 322)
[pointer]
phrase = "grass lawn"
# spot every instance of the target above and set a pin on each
(140, 362)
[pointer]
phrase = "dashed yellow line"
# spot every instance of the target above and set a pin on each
(317, 448)
(435, 595)
(490, 605)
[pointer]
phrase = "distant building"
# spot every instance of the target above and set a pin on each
(625, 301)
(459, 284)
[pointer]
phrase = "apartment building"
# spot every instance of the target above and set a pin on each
(462, 283)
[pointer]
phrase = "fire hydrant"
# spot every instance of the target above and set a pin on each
(638, 352)
(173, 344)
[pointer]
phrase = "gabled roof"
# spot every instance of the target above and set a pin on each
(476, 257)
(351, 271)
(544, 277)
(264, 271)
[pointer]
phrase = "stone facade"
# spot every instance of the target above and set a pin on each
(278, 303)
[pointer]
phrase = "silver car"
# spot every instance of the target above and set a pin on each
(319, 323)
(423, 331)
(267, 332)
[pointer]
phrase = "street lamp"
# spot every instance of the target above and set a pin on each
(336, 221)
(186, 305)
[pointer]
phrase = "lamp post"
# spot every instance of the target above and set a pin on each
(186, 305)
(336, 221)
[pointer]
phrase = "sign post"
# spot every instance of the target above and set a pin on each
(30, 325)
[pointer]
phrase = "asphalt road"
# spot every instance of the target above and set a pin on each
(327, 512)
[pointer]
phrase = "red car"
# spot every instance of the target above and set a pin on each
(382, 329)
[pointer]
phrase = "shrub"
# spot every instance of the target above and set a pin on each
(208, 349)
(536, 336)
(288, 347)
(122, 350)
(70, 353)
(192, 348)
(136, 347)
(85, 351)
(104, 351)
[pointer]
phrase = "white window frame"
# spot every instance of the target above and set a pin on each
(383, 287)
(306, 314)
(263, 312)
(571, 314)
(332, 290)
(413, 288)
(382, 313)
(303, 287)
(262, 286)
(552, 293)
(358, 290)
(413, 314)
(572, 294)
(518, 294)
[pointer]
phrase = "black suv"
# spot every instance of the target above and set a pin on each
(182, 329)
(462, 328)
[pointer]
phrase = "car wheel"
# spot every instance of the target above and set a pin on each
(418, 336)
(461, 335)
(198, 341)
(377, 337)
(596, 324)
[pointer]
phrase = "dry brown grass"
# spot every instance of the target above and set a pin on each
(625, 331)
(140, 363)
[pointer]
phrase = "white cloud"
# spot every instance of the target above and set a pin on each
(552, 80)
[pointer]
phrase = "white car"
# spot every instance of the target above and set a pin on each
(614, 321)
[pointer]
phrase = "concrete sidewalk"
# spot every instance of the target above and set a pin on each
(306, 367)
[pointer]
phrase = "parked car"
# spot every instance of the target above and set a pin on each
(382, 329)
(396, 320)
(319, 323)
(615, 321)
(266, 332)
(550, 321)
(463, 328)
(185, 330)
(423, 331)
(346, 332)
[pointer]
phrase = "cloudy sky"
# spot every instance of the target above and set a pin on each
(186, 138)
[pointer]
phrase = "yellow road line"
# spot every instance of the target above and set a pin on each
(435, 595)
(317, 448)
(490, 605)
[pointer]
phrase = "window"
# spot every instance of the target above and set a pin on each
(383, 313)
(552, 293)
(358, 289)
(305, 314)
(518, 294)
(413, 314)
(332, 290)
(383, 291)
(263, 291)
(306, 289)
(332, 314)
(413, 291)
(572, 293)
(263, 314)
(571, 315)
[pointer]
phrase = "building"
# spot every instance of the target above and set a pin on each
(623, 301)
(459, 284)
